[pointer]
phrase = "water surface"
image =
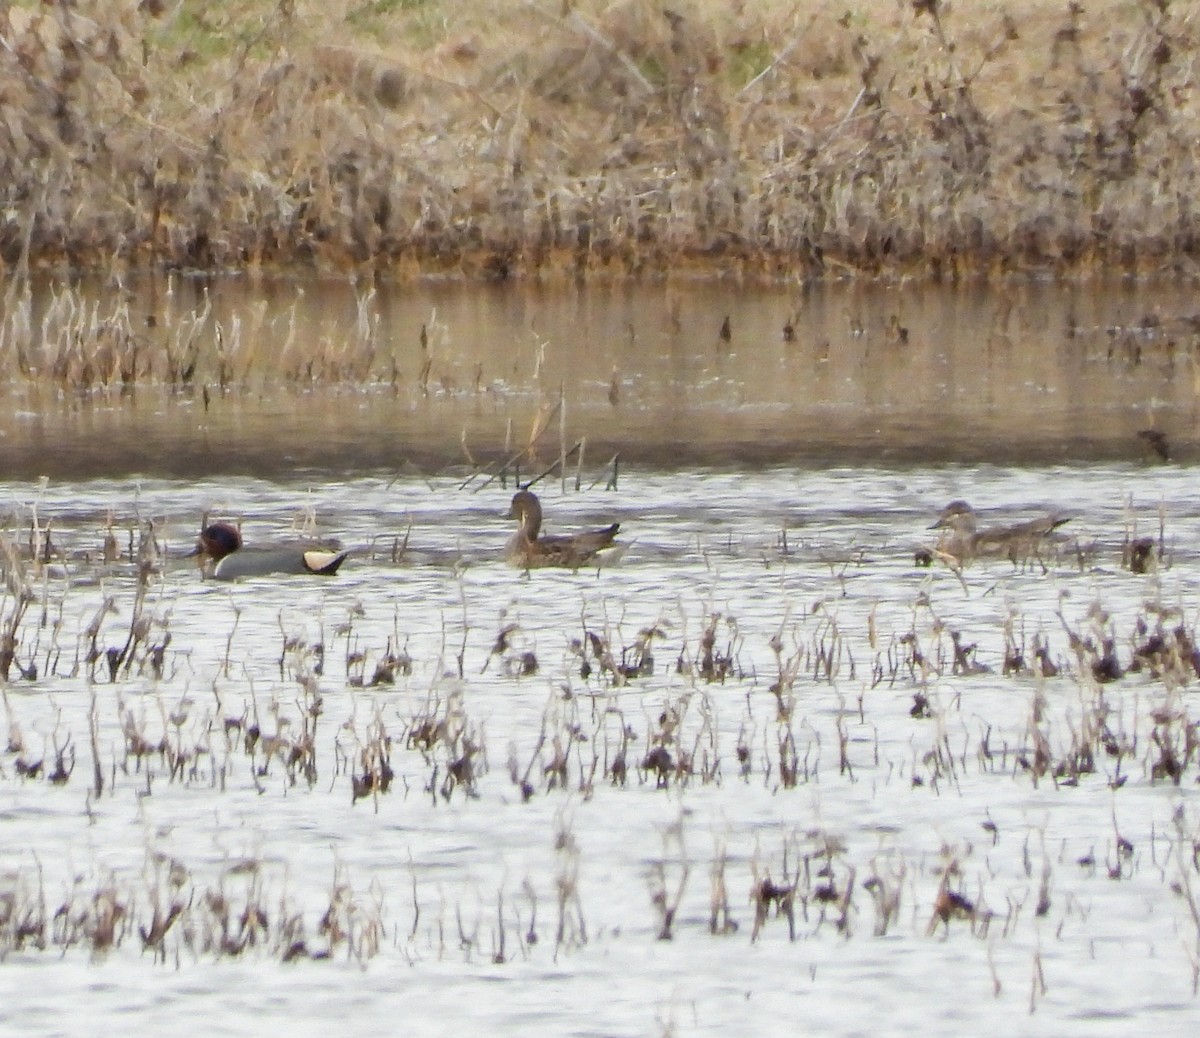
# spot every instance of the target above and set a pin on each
(439, 789)
(472, 903)
(338, 377)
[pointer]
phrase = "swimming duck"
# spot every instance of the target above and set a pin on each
(528, 550)
(224, 558)
(964, 539)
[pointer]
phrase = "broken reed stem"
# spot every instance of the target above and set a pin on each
(513, 458)
(562, 436)
(559, 464)
(94, 739)
(508, 430)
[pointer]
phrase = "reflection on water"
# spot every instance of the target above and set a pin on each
(684, 373)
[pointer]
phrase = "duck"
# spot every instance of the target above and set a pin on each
(528, 549)
(964, 539)
(223, 556)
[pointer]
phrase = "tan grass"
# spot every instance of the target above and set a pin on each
(566, 137)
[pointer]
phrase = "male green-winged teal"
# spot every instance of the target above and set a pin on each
(964, 539)
(529, 550)
(224, 558)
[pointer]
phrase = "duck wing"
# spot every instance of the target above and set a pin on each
(264, 562)
(566, 550)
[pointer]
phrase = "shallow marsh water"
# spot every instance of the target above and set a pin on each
(460, 374)
(423, 878)
(458, 902)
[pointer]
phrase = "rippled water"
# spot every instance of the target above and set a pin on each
(458, 902)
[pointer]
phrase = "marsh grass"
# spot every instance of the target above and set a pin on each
(71, 344)
(686, 702)
(173, 914)
(176, 915)
(553, 139)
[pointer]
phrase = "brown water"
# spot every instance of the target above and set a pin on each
(852, 372)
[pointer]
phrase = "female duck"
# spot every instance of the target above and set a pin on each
(528, 550)
(964, 539)
(223, 557)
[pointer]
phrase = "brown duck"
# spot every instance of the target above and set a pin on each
(964, 539)
(528, 549)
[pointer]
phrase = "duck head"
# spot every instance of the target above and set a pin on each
(957, 515)
(218, 540)
(527, 510)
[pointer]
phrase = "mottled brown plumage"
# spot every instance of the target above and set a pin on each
(529, 549)
(964, 539)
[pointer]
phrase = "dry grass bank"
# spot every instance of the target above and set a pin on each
(552, 137)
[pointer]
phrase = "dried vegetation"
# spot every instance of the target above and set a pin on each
(687, 701)
(629, 138)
